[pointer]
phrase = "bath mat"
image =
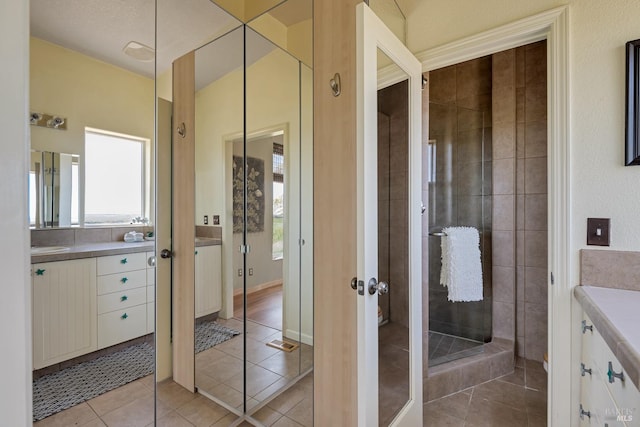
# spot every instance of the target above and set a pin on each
(76, 384)
(210, 333)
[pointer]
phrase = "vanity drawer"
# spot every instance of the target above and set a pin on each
(151, 293)
(122, 325)
(121, 300)
(119, 263)
(624, 392)
(121, 281)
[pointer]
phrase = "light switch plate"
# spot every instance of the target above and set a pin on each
(598, 231)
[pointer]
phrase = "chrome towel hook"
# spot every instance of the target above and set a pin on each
(182, 130)
(336, 87)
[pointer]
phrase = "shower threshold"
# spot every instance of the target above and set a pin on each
(445, 348)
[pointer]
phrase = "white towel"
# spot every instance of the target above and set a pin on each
(461, 270)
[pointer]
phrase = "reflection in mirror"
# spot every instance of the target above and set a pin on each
(269, 342)
(393, 259)
(53, 189)
(390, 13)
(289, 26)
(92, 310)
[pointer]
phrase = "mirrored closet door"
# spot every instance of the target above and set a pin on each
(251, 319)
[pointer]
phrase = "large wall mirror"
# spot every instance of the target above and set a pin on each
(106, 67)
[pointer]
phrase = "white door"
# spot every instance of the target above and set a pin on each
(383, 62)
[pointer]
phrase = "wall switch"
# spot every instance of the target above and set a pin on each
(216, 220)
(251, 272)
(239, 272)
(206, 219)
(598, 231)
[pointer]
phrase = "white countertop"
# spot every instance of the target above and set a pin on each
(622, 309)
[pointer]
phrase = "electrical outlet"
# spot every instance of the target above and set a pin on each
(206, 219)
(239, 272)
(598, 231)
(251, 272)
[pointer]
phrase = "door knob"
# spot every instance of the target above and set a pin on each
(165, 253)
(380, 287)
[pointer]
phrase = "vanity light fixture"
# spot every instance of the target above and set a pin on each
(47, 121)
(139, 51)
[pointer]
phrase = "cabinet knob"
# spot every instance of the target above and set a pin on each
(196, 252)
(40, 272)
(613, 374)
(124, 316)
(585, 327)
(124, 280)
(123, 261)
(124, 298)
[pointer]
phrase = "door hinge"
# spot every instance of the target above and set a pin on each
(552, 278)
(245, 249)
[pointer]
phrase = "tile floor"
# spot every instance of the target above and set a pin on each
(132, 406)
(219, 370)
(518, 399)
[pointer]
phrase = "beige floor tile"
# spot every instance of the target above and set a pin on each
(267, 416)
(257, 379)
(517, 377)
(202, 411)
(149, 381)
(172, 419)
(227, 394)
(288, 399)
(302, 413)
(173, 394)
(94, 423)
(76, 415)
(225, 421)
(502, 392)
(208, 356)
(205, 382)
(489, 413)
(271, 390)
(456, 405)
(286, 422)
(537, 421)
(139, 412)
(258, 331)
(433, 418)
(536, 402)
(119, 397)
(283, 363)
(224, 368)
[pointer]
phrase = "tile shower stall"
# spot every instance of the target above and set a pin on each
(485, 165)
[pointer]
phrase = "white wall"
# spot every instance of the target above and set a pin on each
(15, 304)
(273, 97)
(89, 93)
(600, 185)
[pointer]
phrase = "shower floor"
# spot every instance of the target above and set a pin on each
(445, 348)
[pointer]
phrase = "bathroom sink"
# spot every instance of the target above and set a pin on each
(46, 250)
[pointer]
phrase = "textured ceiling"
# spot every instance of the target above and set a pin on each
(101, 28)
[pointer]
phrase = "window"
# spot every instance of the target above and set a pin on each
(114, 178)
(278, 202)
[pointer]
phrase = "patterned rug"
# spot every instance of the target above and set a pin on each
(71, 386)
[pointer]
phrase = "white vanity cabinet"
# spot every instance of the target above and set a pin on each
(122, 298)
(208, 278)
(64, 310)
(607, 395)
